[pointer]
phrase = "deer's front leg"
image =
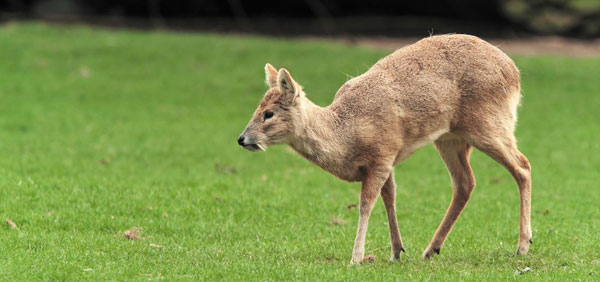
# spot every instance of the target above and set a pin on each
(388, 194)
(371, 187)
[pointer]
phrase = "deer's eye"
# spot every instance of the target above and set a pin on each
(268, 115)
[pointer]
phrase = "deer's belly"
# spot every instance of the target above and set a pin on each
(350, 172)
(418, 143)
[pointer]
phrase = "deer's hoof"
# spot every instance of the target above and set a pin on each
(396, 255)
(430, 252)
(355, 261)
(523, 247)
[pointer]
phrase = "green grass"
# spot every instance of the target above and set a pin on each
(104, 130)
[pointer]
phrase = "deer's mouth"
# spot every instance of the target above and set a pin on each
(254, 147)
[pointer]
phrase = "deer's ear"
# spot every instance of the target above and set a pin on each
(287, 85)
(271, 75)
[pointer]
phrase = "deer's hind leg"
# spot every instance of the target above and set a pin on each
(455, 153)
(503, 149)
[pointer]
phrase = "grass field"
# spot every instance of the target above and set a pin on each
(103, 130)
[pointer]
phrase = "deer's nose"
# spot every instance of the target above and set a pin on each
(241, 140)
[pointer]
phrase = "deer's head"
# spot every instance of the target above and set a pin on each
(277, 115)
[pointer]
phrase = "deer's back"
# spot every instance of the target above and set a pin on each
(439, 82)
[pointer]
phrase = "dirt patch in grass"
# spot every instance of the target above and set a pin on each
(547, 45)
(11, 224)
(370, 259)
(133, 233)
(337, 221)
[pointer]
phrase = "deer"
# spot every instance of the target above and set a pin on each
(455, 91)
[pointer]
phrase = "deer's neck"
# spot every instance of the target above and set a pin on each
(320, 137)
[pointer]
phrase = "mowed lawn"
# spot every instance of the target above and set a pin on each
(104, 130)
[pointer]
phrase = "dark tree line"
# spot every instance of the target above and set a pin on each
(564, 17)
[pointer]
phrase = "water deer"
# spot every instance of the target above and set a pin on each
(455, 91)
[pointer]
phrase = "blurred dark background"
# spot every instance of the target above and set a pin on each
(491, 18)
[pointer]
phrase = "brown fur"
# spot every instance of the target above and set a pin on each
(456, 91)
